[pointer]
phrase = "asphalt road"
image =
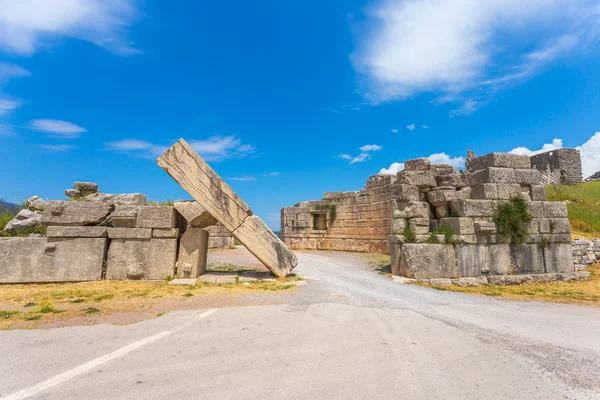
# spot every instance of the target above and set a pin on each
(349, 333)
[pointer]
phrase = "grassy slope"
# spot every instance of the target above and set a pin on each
(584, 207)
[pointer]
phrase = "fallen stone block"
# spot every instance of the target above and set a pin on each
(40, 259)
(36, 203)
(193, 251)
(428, 261)
(152, 259)
(183, 282)
(77, 231)
(156, 217)
(195, 214)
(75, 213)
(502, 160)
(24, 220)
(220, 278)
(418, 164)
(124, 218)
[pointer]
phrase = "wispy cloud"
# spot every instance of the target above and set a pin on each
(437, 158)
(344, 156)
(7, 106)
(363, 156)
(370, 147)
(63, 129)
(57, 147)
(467, 108)
(216, 148)
(395, 130)
(242, 178)
(424, 127)
(9, 71)
(27, 25)
(466, 49)
(410, 127)
(360, 158)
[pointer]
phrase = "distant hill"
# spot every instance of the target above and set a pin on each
(4, 206)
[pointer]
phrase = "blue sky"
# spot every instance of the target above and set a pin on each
(286, 100)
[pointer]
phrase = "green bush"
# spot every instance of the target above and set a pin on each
(448, 235)
(511, 220)
(409, 235)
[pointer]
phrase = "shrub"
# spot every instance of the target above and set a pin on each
(47, 306)
(511, 220)
(409, 235)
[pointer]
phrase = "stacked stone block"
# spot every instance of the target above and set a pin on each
(585, 253)
(560, 166)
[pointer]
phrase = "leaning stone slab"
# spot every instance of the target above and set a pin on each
(428, 261)
(211, 192)
(41, 259)
(77, 231)
(152, 259)
(156, 217)
(195, 214)
(75, 213)
(193, 251)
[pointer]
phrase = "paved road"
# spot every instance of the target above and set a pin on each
(349, 333)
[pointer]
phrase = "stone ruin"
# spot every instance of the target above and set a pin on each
(424, 198)
(558, 167)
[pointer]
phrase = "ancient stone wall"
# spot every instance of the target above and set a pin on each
(350, 221)
(585, 253)
(560, 166)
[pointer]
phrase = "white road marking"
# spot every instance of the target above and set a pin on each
(83, 368)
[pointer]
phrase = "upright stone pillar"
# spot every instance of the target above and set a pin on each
(193, 251)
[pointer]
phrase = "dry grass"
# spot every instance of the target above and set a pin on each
(582, 292)
(30, 306)
(381, 262)
(584, 207)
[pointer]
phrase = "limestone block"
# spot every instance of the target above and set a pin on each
(527, 258)
(418, 164)
(204, 185)
(403, 192)
(426, 261)
(470, 281)
(473, 208)
(494, 191)
(442, 169)
(220, 242)
(544, 225)
(478, 259)
(24, 220)
(419, 225)
(555, 209)
(502, 160)
(527, 176)
(536, 209)
(72, 193)
(141, 259)
(85, 188)
(412, 209)
(398, 225)
(454, 180)
(75, 213)
(124, 218)
(40, 259)
(265, 246)
(443, 197)
(195, 214)
(537, 193)
(77, 231)
(558, 257)
(193, 251)
(510, 280)
(161, 233)
(434, 225)
(121, 201)
(494, 175)
(156, 217)
(417, 178)
(36, 203)
(440, 282)
(460, 225)
(560, 225)
(485, 228)
(442, 211)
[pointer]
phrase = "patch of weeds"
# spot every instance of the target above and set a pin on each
(91, 310)
(381, 263)
(47, 306)
(511, 220)
(103, 297)
(8, 313)
(449, 234)
(76, 301)
(168, 278)
(410, 236)
(167, 202)
(433, 239)
(188, 294)
(441, 288)
(493, 293)
(30, 304)
(32, 317)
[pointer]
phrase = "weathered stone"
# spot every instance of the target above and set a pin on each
(544, 278)
(537, 193)
(460, 225)
(555, 209)
(442, 169)
(124, 218)
(36, 203)
(494, 175)
(527, 177)
(398, 225)
(129, 233)
(434, 224)
(478, 259)
(220, 278)
(43, 259)
(395, 254)
(411, 209)
(440, 282)
(527, 258)
(418, 164)
(404, 193)
(473, 208)
(162, 233)
(485, 228)
(121, 201)
(454, 180)
(86, 188)
(141, 259)
(265, 246)
(72, 193)
(77, 231)
(403, 280)
(558, 257)
(443, 197)
(193, 251)
(428, 261)
(75, 213)
(495, 191)
(502, 160)
(504, 280)
(419, 225)
(559, 225)
(156, 217)
(470, 281)
(24, 220)
(117, 233)
(417, 178)
(195, 214)
(183, 282)
(442, 211)
(253, 276)
(220, 242)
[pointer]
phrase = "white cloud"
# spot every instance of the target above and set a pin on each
(370, 147)
(437, 158)
(8, 106)
(216, 148)
(410, 127)
(360, 158)
(448, 47)
(26, 25)
(10, 71)
(467, 108)
(524, 151)
(393, 169)
(57, 147)
(243, 178)
(424, 127)
(344, 156)
(64, 129)
(590, 155)
(395, 130)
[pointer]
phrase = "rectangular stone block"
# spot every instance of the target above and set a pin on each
(527, 176)
(117, 233)
(484, 191)
(426, 261)
(77, 231)
(124, 218)
(555, 209)
(40, 259)
(544, 225)
(395, 254)
(442, 170)
(138, 233)
(76, 213)
(156, 217)
(558, 257)
(473, 208)
(194, 214)
(485, 228)
(417, 178)
(160, 233)
(560, 225)
(483, 259)
(439, 196)
(398, 225)
(527, 258)
(193, 251)
(412, 209)
(419, 225)
(403, 192)
(418, 164)
(537, 193)
(460, 225)
(220, 242)
(152, 259)
(494, 175)
(502, 160)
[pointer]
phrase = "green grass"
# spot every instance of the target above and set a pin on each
(583, 203)
(167, 202)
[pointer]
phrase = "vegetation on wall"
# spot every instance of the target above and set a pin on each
(511, 220)
(410, 235)
(332, 210)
